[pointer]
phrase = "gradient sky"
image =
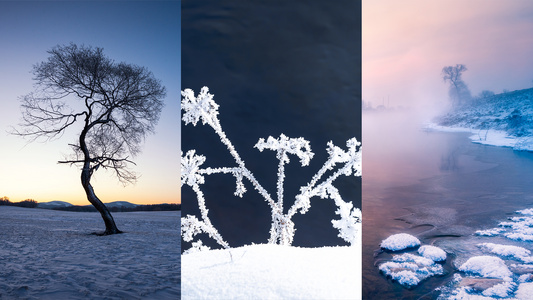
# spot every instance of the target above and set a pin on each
(407, 43)
(145, 33)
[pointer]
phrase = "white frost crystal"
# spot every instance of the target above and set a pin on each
(340, 162)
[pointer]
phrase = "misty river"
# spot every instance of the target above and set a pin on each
(437, 186)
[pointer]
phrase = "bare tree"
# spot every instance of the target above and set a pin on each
(459, 92)
(116, 103)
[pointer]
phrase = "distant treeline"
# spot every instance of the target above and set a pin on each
(30, 203)
(149, 207)
(25, 203)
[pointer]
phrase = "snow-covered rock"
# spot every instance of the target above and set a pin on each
(432, 252)
(524, 291)
(399, 242)
(409, 269)
(506, 250)
(502, 290)
(490, 232)
(486, 266)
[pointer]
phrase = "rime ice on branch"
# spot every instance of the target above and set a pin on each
(340, 162)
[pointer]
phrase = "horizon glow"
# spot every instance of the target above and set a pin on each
(143, 33)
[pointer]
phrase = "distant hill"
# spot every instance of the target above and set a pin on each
(510, 112)
(116, 206)
(53, 204)
(120, 204)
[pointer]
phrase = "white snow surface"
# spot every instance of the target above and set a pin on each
(268, 271)
(432, 252)
(486, 266)
(48, 254)
(400, 241)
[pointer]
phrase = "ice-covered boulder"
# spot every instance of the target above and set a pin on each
(486, 266)
(506, 250)
(400, 241)
(409, 269)
(432, 252)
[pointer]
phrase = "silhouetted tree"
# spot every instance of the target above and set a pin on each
(459, 92)
(5, 201)
(117, 104)
(30, 203)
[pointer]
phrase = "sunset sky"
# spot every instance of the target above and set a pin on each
(145, 33)
(407, 43)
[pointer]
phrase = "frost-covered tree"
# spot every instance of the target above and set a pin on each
(114, 104)
(340, 162)
(459, 92)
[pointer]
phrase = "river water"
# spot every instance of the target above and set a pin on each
(437, 186)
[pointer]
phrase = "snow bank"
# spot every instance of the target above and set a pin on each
(269, 271)
(432, 252)
(399, 242)
(490, 137)
(486, 266)
(504, 119)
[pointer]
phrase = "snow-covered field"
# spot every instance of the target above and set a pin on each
(267, 271)
(47, 254)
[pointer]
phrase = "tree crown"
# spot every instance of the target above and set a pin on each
(117, 103)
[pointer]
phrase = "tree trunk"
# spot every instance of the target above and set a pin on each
(110, 227)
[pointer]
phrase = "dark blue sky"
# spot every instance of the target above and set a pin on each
(145, 33)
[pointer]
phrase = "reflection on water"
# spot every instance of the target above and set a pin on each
(437, 186)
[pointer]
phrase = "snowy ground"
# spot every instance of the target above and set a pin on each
(504, 119)
(46, 254)
(489, 137)
(273, 272)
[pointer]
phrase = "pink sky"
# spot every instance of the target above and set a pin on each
(407, 43)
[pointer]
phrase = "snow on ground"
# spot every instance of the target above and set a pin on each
(399, 242)
(47, 254)
(267, 271)
(504, 119)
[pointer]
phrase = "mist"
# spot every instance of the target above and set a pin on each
(406, 44)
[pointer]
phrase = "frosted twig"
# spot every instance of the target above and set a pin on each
(202, 107)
